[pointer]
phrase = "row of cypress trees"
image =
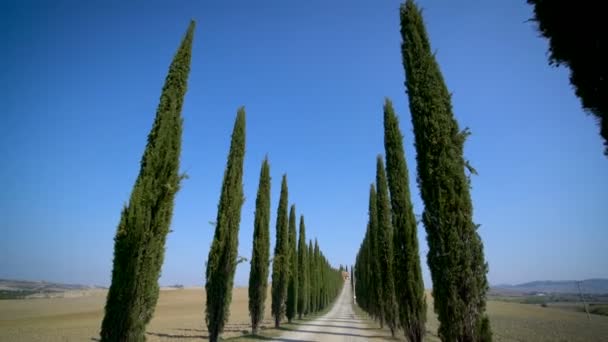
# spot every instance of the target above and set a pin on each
(455, 257)
(293, 264)
(303, 280)
(384, 262)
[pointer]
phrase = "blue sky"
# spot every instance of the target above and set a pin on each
(81, 82)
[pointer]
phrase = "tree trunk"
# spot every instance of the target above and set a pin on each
(213, 336)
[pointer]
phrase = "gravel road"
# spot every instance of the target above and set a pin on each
(339, 324)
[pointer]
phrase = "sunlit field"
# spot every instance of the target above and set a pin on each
(180, 315)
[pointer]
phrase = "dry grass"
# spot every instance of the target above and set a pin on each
(529, 322)
(179, 317)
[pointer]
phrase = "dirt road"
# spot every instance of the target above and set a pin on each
(339, 324)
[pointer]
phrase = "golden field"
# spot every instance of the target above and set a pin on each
(180, 316)
(530, 322)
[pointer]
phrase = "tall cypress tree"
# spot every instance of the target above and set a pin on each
(302, 271)
(352, 279)
(455, 256)
(574, 31)
(363, 289)
(221, 263)
(139, 244)
(408, 274)
(376, 303)
(280, 263)
(362, 272)
(312, 276)
(322, 281)
(385, 248)
(318, 277)
(292, 286)
(258, 276)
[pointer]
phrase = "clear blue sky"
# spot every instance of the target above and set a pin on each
(81, 81)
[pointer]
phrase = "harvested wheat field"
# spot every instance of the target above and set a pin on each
(179, 314)
(514, 322)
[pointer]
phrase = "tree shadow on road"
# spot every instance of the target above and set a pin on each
(334, 333)
(339, 320)
(176, 335)
(335, 326)
(191, 329)
(266, 338)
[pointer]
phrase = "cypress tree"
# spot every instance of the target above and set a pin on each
(352, 279)
(363, 287)
(302, 271)
(408, 274)
(221, 263)
(292, 287)
(312, 307)
(574, 31)
(455, 256)
(362, 282)
(318, 279)
(258, 277)
(322, 279)
(139, 244)
(385, 248)
(376, 288)
(280, 264)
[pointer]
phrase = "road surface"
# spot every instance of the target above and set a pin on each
(339, 324)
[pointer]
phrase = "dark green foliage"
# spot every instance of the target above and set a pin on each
(221, 263)
(258, 276)
(139, 244)
(377, 304)
(292, 287)
(302, 271)
(363, 291)
(577, 38)
(408, 274)
(326, 282)
(318, 277)
(385, 248)
(280, 264)
(352, 279)
(322, 279)
(369, 288)
(322, 282)
(455, 256)
(312, 276)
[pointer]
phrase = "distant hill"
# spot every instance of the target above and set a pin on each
(9, 284)
(17, 289)
(588, 286)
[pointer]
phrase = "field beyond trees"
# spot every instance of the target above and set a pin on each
(179, 316)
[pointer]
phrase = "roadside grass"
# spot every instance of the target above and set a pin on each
(399, 335)
(270, 333)
(512, 321)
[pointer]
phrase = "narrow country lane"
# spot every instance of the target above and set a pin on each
(341, 323)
